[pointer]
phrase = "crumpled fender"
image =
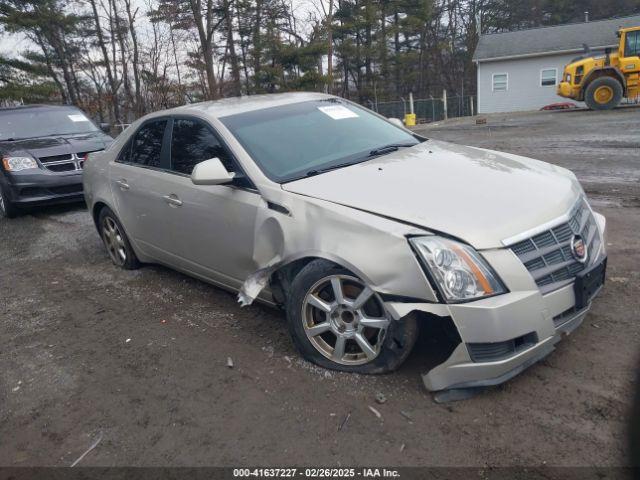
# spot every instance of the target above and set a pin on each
(286, 231)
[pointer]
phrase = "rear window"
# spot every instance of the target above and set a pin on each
(42, 122)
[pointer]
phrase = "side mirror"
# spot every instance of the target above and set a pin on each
(397, 122)
(105, 127)
(211, 172)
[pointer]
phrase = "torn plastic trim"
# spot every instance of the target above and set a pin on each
(254, 284)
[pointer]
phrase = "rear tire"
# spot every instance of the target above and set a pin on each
(7, 208)
(604, 93)
(349, 334)
(116, 241)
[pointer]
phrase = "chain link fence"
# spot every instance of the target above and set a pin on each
(429, 110)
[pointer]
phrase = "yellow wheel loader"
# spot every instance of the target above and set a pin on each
(602, 82)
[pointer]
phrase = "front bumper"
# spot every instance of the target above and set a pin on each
(503, 335)
(37, 187)
(566, 90)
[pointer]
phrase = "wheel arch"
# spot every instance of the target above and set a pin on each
(281, 278)
(97, 207)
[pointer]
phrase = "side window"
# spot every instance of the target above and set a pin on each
(194, 142)
(632, 48)
(147, 144)
(548, 77)
(125, 154)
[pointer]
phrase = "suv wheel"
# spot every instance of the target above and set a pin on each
(7, 208)
(338, 322)
(116, 241)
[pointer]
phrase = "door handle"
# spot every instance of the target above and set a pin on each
(123, 184)
(173, 200)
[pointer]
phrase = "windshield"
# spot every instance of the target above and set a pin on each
(42, 122)
(301, 139)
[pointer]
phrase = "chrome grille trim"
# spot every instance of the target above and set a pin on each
(547, 254)
(67, 162)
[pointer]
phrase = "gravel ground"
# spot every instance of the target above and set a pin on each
(138, 360)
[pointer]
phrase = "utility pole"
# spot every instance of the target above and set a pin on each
(444, 103)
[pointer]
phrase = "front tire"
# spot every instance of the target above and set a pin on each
(338, 322)
(7, 208)
(116, 241)
(604, 93)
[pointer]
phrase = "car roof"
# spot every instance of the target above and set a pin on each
(233, 105)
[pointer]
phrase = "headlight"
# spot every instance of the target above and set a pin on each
(15, 164)
(459, 271)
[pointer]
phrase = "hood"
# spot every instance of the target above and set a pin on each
(479, 196)
(57, 144)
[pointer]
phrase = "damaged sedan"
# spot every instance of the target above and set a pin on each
(362, 231)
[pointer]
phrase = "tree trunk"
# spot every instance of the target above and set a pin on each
(113, 88)
(257, 46)
(50, 70)
(136, 59)
(123, 59)
(205, 34)
(231, 46)
(330, 48)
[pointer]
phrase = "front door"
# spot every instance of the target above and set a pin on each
(209, 229)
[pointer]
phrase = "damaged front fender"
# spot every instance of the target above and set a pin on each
(290, 227)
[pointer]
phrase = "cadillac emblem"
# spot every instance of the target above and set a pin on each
(578, 249)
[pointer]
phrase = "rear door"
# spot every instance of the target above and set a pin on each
(136, 182)
(211, 227)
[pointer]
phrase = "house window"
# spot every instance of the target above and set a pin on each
(500, 82)
(548, 77)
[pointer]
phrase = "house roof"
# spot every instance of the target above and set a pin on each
(549, 40)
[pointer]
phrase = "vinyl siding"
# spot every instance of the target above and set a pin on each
(524, 90)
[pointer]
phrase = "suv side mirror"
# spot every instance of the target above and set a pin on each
(211, 172)
(396, 121)
(105, 127)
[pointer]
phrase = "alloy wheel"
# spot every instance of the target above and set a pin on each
(114, 241)
(344, 320)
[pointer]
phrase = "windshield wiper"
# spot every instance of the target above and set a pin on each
(311, 173)
(373, 153)
(392, 147)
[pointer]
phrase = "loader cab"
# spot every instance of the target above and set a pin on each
(629, 42)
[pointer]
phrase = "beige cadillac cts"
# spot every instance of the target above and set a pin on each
(360, 230)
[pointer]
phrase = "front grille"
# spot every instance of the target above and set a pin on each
(67, 162)
(492, 352)
(547, 255)
(56, 158)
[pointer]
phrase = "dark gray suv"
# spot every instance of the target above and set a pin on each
(43, 149)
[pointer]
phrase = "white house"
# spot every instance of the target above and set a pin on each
(520, 70)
